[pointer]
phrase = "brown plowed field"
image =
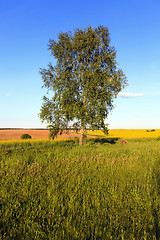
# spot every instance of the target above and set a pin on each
(11, 134)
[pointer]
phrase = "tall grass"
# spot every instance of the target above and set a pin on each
(58, 190)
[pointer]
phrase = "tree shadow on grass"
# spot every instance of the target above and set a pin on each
(103, 140)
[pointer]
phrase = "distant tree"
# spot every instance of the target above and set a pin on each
(84, 80)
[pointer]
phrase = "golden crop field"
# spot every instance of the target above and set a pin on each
(128, 133)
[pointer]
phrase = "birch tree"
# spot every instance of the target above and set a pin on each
(84, 81)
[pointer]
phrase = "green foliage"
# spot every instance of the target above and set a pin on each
(58, 190)
(84, 81)
(76, 126)
(26, 136)
(54, 130)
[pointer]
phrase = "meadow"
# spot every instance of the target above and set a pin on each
(106, 189)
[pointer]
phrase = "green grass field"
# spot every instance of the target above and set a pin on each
(59, 190)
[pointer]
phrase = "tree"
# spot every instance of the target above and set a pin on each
(85, 80)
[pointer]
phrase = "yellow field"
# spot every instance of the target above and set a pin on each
(128, 133)
(13, 141)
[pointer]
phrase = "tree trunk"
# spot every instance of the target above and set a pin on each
(81, 136)
(82, 121)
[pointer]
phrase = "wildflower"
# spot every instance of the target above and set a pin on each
(123, 142)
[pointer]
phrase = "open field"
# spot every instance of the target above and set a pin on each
(10, 134)
(59, 190)
(128, 133)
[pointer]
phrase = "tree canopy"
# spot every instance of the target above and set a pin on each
(84, 81)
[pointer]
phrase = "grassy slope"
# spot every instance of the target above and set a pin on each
(58, 190)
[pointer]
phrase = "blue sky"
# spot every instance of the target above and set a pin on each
(25, 28)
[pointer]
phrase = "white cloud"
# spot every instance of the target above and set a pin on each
(128, 94)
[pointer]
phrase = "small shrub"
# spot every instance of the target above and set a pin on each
(152, 130)
(76, 139)
(26, 136)
(84, 136)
